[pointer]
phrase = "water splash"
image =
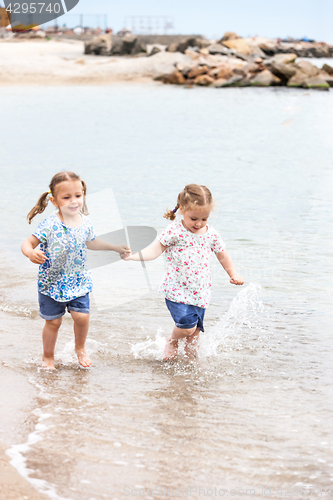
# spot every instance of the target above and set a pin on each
(17, 310)
(67, 355)
(243, 314)
(150, 348)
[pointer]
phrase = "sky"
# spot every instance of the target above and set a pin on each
(212, 18)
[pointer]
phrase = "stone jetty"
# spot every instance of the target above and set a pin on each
(231, 61)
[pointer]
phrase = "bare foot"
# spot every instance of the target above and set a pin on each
(170, 349)
(191, 345)
(48, 363)
(83, 358)
(191, 350)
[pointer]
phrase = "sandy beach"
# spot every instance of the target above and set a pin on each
(12, 485)
(58, 62)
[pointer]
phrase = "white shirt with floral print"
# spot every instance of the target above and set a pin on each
(188, 276)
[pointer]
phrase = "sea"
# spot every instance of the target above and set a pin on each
(252, 416)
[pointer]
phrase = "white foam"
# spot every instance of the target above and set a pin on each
(245, 309)
(68, 356)
(20, 311)
(150, 348)
(18, 460)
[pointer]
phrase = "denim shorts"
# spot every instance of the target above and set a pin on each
(186, 316)
(52, 309)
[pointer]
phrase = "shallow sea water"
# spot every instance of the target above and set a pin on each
(255, 410)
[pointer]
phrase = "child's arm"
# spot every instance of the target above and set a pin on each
(29, 250)
(227, 264)
(148, 253)
(99, 244)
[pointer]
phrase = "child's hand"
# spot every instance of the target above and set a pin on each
(37, 256)
(122, 249)
(235, 279)
(126, 256)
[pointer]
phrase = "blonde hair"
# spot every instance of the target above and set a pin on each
(192, 194)
(44, 198)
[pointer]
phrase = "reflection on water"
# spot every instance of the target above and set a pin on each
(255, 409)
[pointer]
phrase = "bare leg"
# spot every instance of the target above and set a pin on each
(191, 344)
(81, 327)
(50, 334)
(171, 346)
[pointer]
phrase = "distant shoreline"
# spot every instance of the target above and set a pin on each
(63, 63)
(41, 62)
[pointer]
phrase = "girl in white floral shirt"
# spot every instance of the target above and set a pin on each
(189, 245)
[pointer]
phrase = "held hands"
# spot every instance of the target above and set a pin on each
(123, 251)
(126, 256)
(235, 279)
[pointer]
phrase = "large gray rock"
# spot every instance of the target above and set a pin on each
(155, 50)
(233, 81)
(117, 45)
(99, 45)
(328, 69)
(284, 58)
(252, 67)
(282, 71)
(203, 80)
(298, 80)
(243, 57)
(217, 48)
(309, 69)
(198, 42)
(329, 80)
(199, 70)
(229, 35)
(265, 79)
(173, 47)
(317, 83)
(129, 42)
(175, 78)
(140, 47)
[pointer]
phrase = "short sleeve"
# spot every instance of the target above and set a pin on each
(168, 236)
(217, 244)
(91, 235)
(42, 231)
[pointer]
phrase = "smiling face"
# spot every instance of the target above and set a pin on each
(68, 198)
(195, 218)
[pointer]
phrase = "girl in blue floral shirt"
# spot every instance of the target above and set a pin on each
(63, 279)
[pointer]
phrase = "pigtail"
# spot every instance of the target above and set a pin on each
(39, 207)
(84, 207)
(192, 195)
(171, 214)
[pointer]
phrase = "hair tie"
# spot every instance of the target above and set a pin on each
(49, 191)
(174, 210)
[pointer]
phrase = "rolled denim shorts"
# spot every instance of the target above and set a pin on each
(52, 309)
(186, 316)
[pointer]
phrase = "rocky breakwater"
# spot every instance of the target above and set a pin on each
(237, 62)
(131, 45)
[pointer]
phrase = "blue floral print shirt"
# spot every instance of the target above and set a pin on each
(64, 275)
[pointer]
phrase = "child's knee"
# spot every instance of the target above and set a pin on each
(80, 319)
(54, 323)
(189, 331)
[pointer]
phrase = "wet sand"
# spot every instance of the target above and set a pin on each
(12, 485)
(55, 62)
